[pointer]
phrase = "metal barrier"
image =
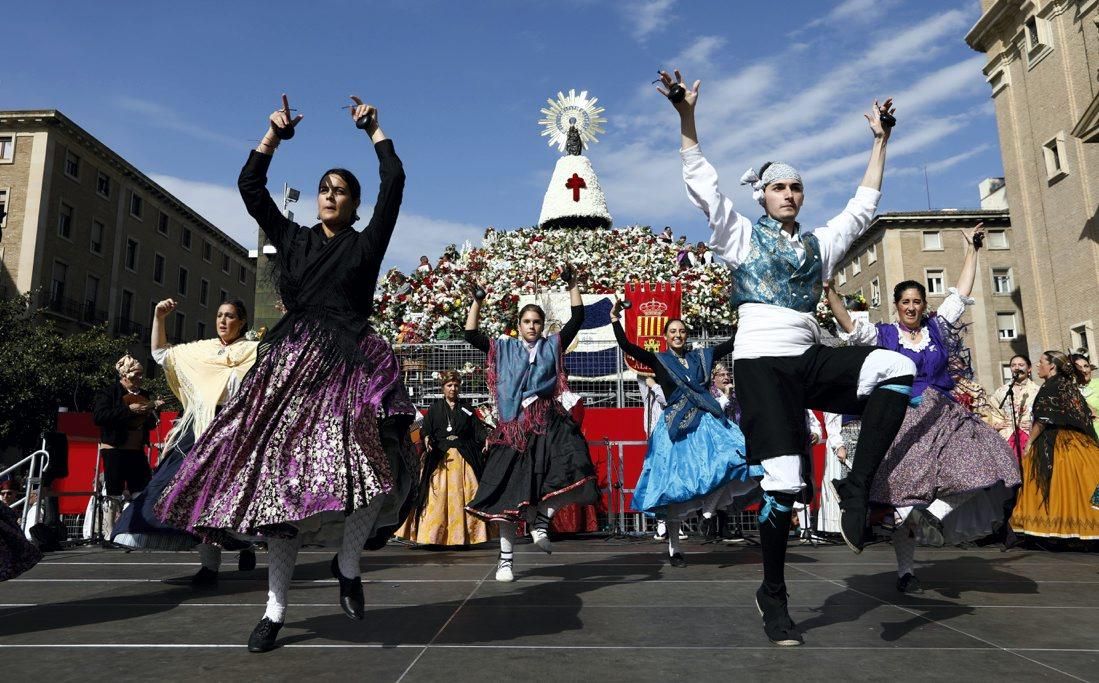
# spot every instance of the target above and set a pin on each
(36, 464)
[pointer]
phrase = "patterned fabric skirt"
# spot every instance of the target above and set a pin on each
(706, 470)
(17, 554)
(555, 468)
(138, 527)
(1067, 513)
(444, 520)
(310, 437)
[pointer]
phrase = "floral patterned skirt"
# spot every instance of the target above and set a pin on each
(310, 437)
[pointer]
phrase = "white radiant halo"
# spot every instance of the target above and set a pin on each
(572, 110)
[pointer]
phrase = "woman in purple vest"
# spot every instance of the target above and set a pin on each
(947, 474)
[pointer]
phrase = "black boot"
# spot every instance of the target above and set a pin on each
(853, 505)
(264, 635)
(777, 624)
(246, 561)
(351, 593)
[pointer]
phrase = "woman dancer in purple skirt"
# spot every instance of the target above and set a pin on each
(947, 474)
(315, 442)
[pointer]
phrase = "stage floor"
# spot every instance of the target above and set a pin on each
(594, 610)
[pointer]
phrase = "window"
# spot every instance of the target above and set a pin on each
(1038, 39)
(875, 293)
(65, 221)
(204, 292)
(72, 165)
(4, 208)
(932, 241)
(1001, 281)
(207, 251)
(185, 238)
(1056, 161)
(872, 254)
(999, 80)
(841, 277)
(856, 266)
(997, 239)
(126, 305)
(131, 254)
(242, 274)
(1081, 338)
(1005, 325)
(7, 148)
(182, 281)
(223, 296)
(158, 269)
(225, 263)
(162, 223)
(181, 323)
(57, 283)
(137, 205)
(91, 298)
(96, 243)
(103, 184)
(935, 280)
(200, 330)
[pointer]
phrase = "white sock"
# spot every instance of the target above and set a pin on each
(209, 556)
(673, 537)
(941, 507)
(507, 540)
(904, 546)
(356, 528)
(803, 517)
(282, 554)
(900, 515)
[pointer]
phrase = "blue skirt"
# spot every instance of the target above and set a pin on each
(707, 461)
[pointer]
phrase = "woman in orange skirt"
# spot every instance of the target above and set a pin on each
(453, 459)
(1061, 465)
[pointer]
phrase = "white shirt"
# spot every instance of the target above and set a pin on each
(767, 330)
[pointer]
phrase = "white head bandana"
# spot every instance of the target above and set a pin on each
(775, 171)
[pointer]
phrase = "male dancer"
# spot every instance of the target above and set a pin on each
(781, 368)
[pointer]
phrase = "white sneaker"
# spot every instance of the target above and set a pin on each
(541, 539)
(661, 531)
(683, 535)
(503, 571)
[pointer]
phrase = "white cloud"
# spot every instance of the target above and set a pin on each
(699, 54)
(165, 117)
(415, 234)
(851, 12)
(646, 16)
(942, 164)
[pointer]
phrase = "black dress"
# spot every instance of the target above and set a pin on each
(554, 466)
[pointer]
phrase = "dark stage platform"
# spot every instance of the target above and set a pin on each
(595, 610)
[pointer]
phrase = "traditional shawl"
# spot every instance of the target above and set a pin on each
(515, 374)
(199, 373)
(692, 396)
(1058, 405)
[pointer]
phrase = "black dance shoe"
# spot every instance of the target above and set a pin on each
(246, 561)
(264, 635)
(853, 515)
(931, 526)
(909, 584)
(203, 578)
(777, 624)
(678, 560)
(351, 593)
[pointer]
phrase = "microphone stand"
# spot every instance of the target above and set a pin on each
(1010, 399)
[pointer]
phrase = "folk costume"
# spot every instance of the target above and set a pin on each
(448, 478)
(315, 446)
(202, 375)
(1060, 467)
(947, 473)
(538, 459)
(781, 368)
(696, 456)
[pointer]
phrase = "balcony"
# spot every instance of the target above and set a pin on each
(124, 327)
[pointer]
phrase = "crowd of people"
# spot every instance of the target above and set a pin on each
(304, 436)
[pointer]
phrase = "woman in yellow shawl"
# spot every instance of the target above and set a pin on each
(202, 374)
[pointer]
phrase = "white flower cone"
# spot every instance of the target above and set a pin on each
(574, 198)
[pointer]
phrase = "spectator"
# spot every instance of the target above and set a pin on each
(683, 253)
(425, 265)
(702, 255)
(1089, 387)
(1025, 391)
(10, 491)
(125, 414)
(667, 237)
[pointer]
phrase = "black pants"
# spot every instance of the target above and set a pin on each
(125, 470)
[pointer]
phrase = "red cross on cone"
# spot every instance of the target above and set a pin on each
(576, 183)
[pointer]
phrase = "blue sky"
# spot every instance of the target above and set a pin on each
(183, 90)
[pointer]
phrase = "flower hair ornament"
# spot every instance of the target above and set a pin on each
(771, 171)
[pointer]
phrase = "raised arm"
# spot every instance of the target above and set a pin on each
(158, 337)
(391, 189)
(731, 231)
(875, 169)
(473, 334)
(252, 182)
(576, 302)
(861, 333)
(973, 241)
(641, 355)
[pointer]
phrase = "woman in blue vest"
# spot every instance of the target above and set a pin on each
(696, 457)
(538, 459)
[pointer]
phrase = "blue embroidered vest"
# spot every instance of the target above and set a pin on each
(772, 275)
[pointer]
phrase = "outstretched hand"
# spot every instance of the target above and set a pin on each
(690, 95)
(881, 119)
(282, 122)
(976, 236)
(365, 116)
